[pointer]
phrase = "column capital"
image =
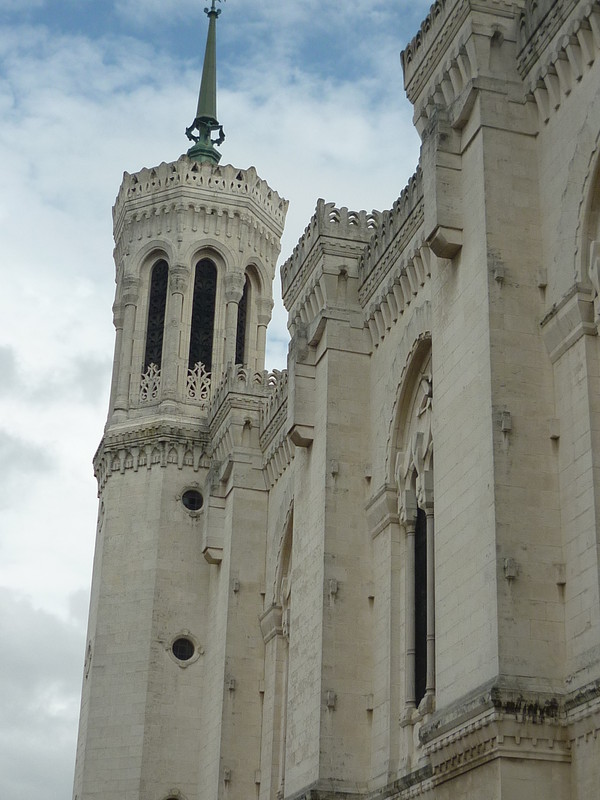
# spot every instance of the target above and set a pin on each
(264, 306)
(407, 509)
(118, 310)
(425, 491)
(131, 290)
(234, 286)
(179, 278)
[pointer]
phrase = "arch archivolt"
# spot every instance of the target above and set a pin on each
(283, 557)
(257, 274)
(148, 255)
(413, 463)
(408, 362)
(582, 220)
(212, 249)
(589, 236)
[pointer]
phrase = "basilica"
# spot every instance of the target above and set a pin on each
(374, 575)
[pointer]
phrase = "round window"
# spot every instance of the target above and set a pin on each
(192, 500)
(183, 649)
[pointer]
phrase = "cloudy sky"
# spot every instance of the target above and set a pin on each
(310, 93)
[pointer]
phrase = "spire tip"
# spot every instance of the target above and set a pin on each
(206, 120)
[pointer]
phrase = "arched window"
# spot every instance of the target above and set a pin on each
(242, 322)
(203, 315)
(420, 607)
(156, 315)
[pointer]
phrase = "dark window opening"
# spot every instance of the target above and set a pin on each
(420, 606)
(156, 314)
(183, 649)
(192, 500)
(240, 340)
(203, 315)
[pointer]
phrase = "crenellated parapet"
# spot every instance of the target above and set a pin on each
(557, 45)
(184, 198)
(241, 390)
(456, 53)
(330, 229)
(278, 384)
(397, 227)
(276, 445)
(243, 183)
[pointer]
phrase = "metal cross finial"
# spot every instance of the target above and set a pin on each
(213, 9)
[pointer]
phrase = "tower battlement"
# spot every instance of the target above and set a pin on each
(333, 223)
(151, 185)
(393, 222)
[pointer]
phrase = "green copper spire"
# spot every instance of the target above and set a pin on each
(206, 116)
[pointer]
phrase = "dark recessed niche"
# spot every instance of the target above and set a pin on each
(192, 500)
(183, 649)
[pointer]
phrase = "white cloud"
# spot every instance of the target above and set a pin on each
(41, 662)
(148, 12)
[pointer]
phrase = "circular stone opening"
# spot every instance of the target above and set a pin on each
(192, 500)
(183, 649)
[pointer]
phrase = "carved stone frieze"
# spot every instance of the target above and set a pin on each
(148, 446)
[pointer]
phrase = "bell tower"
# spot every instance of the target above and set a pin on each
(196, 246)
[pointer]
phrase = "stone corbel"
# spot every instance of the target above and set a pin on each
(301, 391)
(301, 405)
(271, 623)
(442, 177)
(212, 535)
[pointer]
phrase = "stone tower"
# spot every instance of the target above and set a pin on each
(196, 248)
(374, 576)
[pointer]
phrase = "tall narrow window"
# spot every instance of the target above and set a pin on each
(420, 610)
(240, 339)
(203, 315)
(156, 315)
